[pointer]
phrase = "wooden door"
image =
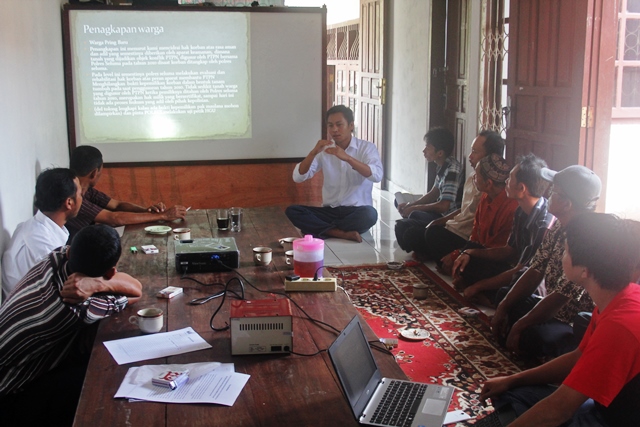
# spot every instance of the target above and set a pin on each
(457, 74)
(554, 57)
(371, 82)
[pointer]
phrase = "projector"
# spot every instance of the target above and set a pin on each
(261, 327)
(206, 255)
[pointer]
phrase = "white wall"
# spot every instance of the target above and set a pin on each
(33, 129)
(408, 94)
(408, 91)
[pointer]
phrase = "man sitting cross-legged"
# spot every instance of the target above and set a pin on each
(598, 383)
(543, 327)
(350, 166)
(494, 216)
(43, 323)
(482, 271)
(444, 235)
(58, 199)
(443, 198)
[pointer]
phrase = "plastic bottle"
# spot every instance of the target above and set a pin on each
(308, 256)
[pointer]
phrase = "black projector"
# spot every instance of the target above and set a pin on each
(206, 255)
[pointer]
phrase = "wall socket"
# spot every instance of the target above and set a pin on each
(305, 284)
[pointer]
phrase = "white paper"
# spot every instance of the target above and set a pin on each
(153, 346)
(221, 386)
(406, 197)
(120, 230)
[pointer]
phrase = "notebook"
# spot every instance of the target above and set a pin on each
(365, 387)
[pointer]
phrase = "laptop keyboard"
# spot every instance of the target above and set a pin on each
(399, 404)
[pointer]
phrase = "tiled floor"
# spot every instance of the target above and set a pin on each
(379, 244)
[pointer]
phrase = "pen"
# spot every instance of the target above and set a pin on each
(187, 210)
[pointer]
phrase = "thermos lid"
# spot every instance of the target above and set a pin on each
(308, 244)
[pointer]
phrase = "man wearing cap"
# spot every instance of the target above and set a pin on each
(542, 327)
(494, 216)
(598, 383)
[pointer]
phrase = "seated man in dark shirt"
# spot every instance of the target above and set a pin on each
(97, 207)
(599, 381)
(480, 272)
(43, 322)
(544, 327)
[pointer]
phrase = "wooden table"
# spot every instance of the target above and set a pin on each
(284, 390)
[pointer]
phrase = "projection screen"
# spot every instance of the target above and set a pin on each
(195, 83)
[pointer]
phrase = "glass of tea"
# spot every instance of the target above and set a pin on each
(223, 219)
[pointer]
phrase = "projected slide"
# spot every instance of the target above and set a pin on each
(161, 76)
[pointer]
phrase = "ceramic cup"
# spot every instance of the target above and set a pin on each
(182, 233)
(262, 255)
(287, 242)
(289, 257)
(420, 291)
(149, 320)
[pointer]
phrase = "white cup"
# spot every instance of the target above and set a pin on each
(182, 233)
(287, 242)
(262, 255)
(149, 320)
(289, 257)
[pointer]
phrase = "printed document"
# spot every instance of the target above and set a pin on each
(209, 382)
(153, 346)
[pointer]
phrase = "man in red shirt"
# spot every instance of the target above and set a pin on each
(599, 382)
(494, 216)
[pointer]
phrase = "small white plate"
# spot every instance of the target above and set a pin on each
(415, 334)
(158, 229)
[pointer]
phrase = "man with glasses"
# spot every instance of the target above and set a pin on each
(541, 326)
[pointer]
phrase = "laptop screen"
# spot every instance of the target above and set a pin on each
(354, 363)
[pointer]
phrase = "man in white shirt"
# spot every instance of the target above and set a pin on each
(350, 167)
(58, 198)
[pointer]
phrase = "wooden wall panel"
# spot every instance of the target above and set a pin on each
(211, 186)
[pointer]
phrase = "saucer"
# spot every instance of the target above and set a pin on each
(158, 229)
(415, 334)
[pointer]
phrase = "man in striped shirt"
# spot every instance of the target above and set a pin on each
(443, 198)
(44, 320)
(97, 207)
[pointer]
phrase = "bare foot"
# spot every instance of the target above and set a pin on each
(420, 257)
(347, 235)
(481, 299)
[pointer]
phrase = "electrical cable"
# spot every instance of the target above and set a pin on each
(223, 293)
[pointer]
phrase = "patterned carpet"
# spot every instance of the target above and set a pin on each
(460, 351)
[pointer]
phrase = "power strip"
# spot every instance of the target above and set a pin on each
(307, 284)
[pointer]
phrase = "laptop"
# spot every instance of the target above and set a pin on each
(367, 391)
